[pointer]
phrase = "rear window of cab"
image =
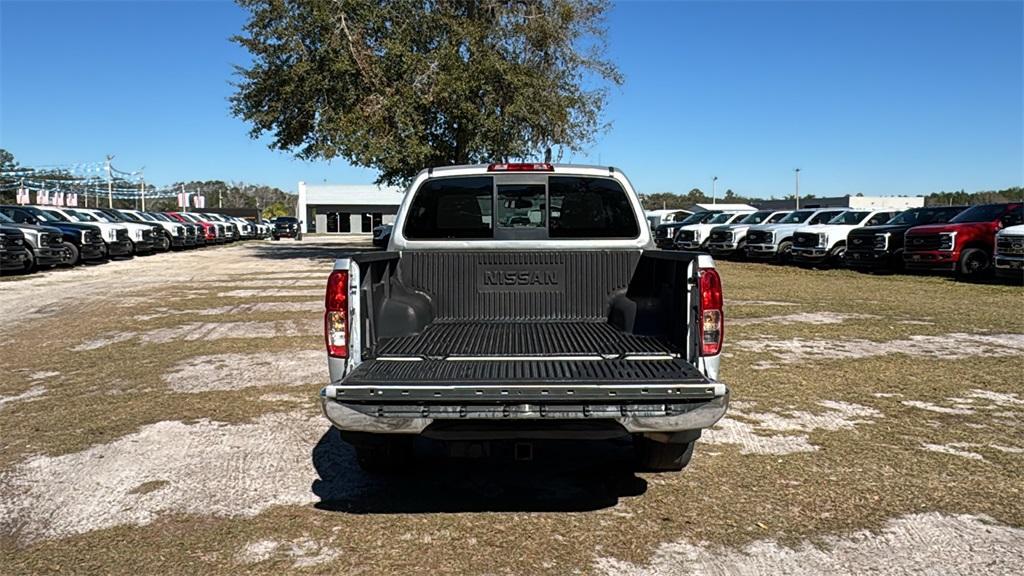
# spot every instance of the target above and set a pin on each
(552, 207)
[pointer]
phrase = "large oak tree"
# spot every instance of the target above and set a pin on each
(401, 85)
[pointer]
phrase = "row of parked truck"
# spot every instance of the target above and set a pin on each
(39, 237)
(968, 240)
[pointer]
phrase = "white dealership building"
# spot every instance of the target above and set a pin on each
(346, 208)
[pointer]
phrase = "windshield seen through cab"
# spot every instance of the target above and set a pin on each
(797, 217)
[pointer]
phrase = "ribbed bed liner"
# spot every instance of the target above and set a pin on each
(512, 372)
(582, 338)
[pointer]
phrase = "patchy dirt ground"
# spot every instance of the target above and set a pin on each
(159, 416)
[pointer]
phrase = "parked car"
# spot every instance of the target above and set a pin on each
(964, 244)
(193, 232)
(731, 239)
(573, 326)
(81, 242)
(245, 229)
(658, 217)
(211, 234)
(382, 235)
(665, 234)
(1009, 254)
(696, 236)
(46, 243)
(116, 240)
(15, 254)
(286, 227)
(881, 246)
(146, 236)
(826, 243)
(115, 236)
(775, 241)
(166, 235)
(226, 231)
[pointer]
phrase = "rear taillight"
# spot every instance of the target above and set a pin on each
(712, 320)
(336, 316)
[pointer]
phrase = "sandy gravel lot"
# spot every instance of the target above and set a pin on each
(159, 416)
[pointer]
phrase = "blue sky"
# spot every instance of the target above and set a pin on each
(870, 97)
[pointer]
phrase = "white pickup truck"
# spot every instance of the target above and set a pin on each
(731, 239)
(1009, 253)
(775, 241)
(695, 236)
(826, 243)
(523, 301)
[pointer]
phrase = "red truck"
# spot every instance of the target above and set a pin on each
(962, 245)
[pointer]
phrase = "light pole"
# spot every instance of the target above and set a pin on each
(142, 187)
(714, 190)
(110, 183)
(797, 171)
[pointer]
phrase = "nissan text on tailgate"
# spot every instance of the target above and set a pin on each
(523, 301)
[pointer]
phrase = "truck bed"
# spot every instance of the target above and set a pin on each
(600, 325)
(474, 339)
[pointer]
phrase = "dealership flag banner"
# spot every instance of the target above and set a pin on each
(200, 201)
(73, 199)
(23, 197)
(42, 197)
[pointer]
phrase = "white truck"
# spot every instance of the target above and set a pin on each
(826, 243)
(116, 238)
(1009, 252)
(731, 239)
(517, 302)
(775, 241)
(695, 236)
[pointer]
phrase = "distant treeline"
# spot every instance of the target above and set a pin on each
(1013, 194)
(696, 196)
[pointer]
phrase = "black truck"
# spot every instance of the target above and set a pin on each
(286, 227)
(523, 301)
(881, 247)
(15, 253)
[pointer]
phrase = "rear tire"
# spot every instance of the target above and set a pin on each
(653, 456)
(387, 455)
(973, 263)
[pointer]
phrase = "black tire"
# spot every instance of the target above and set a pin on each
(785, 252)
(71, 254)
(30, 264)
(131, 248)
(297, 237)
(273, 238)
(653, 456)
(973, 263)
(164, 244)
(835, 255)
(388, 455)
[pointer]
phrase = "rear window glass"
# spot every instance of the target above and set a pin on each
(568, 207)
(521, 206)
(451, 208)
(589, 208)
